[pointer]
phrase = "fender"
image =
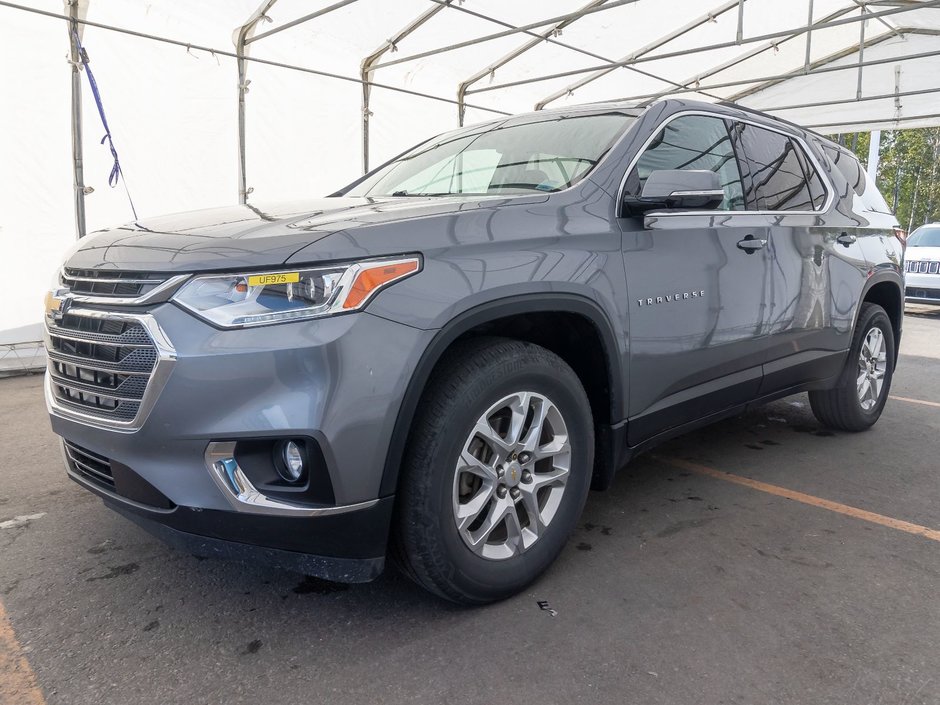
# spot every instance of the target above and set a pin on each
(484, 313)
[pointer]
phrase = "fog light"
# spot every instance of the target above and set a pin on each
(291, 467)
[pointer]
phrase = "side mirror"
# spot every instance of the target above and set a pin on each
(677, 189)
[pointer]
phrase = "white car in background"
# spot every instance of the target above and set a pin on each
(922, 267)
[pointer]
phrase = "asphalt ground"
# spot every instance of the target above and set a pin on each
(815, 581)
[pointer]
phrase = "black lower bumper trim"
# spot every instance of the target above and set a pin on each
(343, 570)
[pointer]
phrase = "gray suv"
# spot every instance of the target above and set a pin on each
(439, 360)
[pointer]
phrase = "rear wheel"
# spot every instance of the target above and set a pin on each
(858, 400)
(496, 473)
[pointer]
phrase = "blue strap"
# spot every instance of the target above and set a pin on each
(116, 172)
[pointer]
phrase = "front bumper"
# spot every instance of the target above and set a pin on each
(347, 547)
(338, 381)
(922, 288)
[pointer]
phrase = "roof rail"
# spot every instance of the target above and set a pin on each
(761, 113)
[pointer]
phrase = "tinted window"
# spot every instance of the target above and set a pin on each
(816, 190)
(544, 154)
(692, 142)
(928, 236)
(778, 180)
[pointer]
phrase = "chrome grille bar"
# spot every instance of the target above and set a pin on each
(91, 286)
(105, 368)
(98, 365)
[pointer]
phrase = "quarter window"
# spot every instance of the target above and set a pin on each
(692, 142)
(782, 177)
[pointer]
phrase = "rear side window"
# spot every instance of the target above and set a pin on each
(817, 191)
(782, 176)
(857, 178)
(692, 142)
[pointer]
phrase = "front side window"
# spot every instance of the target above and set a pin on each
(779, 182)
(544, 154)
(692, 142)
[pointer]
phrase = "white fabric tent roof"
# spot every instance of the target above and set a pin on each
(835, 65)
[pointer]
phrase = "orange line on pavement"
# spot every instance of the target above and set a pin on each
(809, 499)
(915, 401)
(17, 681)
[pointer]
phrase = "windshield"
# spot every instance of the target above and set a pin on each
(925, 237)
(546, 154)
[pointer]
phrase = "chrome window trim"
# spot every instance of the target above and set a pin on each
(168, 286)
(811, 157)
(166, 357)
(245, 497)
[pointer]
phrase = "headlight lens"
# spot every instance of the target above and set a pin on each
(237, 300)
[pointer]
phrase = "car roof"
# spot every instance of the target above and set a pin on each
(727, 109)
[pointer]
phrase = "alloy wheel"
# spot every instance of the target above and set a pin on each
(511, 475)
(872, 365)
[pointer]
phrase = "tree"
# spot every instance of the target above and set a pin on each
(908, 172)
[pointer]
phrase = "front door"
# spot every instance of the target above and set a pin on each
(699, 287)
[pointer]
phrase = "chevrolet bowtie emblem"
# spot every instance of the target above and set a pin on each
(56, 307)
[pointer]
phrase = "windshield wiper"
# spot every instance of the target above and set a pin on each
(419, 195)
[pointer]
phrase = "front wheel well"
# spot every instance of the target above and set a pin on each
(573, 328)
(572, 337)
(889, 297)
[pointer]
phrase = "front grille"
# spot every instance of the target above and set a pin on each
(95, 282)
(100, 366)
(922, 267)
(89, 465)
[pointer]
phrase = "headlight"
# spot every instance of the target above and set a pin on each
(236, 300)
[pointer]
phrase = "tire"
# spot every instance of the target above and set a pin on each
(470, 382)
(842, 407)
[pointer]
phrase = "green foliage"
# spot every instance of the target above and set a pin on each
(908, 172)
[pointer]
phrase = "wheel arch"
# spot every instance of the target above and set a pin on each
(492, 312)
(886, 290)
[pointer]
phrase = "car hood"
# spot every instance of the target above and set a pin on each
(920, 254)
(248, 236)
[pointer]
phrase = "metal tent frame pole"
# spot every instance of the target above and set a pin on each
(756, 51)
(819, 65)
(546, 36)
(537, 39)
(367, 71)
(75, 9)
(789, 34)
(242, 36)
(801, 72)
(507, 33)
(652, 46)
(874, 146)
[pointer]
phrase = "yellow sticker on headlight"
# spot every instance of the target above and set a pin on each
(269, 279)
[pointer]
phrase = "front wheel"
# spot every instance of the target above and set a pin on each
(856, 403)
(497, 471)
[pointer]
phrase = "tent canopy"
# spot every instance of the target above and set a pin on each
(266, 100)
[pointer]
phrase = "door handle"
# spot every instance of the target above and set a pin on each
(846, 239)
(751, 244)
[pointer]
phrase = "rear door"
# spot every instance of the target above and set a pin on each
(817, 263)
(698, 286)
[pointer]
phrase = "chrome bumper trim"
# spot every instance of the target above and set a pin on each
(244, 497)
